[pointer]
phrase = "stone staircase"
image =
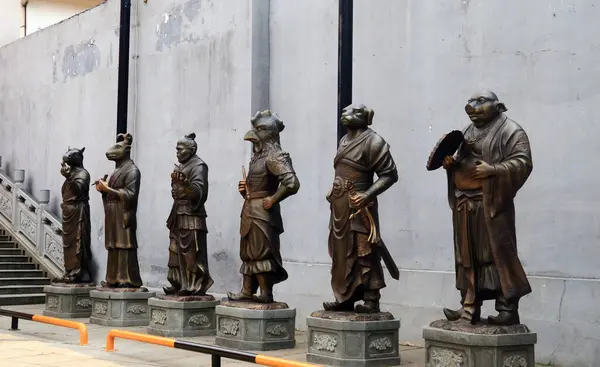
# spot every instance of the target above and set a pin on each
(21, 280)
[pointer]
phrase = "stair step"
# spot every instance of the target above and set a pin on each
(24, 281)
(21, 273)
(16, 265)
(13, 259)
(22, 299)
(5, 244)
(11, 251)
(21, 289)
(4, 237)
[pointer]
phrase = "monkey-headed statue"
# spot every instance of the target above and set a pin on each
(188, 260)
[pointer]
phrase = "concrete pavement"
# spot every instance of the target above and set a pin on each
(38, 344)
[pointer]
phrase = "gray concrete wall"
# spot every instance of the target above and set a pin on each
(416, 63)
(204, 66)
(191, 61)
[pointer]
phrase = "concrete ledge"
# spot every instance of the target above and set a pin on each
(120, 308)
(458, 348)
(182, 318)
(352, 342)
(261, 330)
(68, 302)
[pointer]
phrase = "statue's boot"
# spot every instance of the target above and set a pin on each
(170, 290)
(453, 315)
(472, 316)
(246, 293)
(367, 307)
(505, 318)
(266, 288)
(337, 306)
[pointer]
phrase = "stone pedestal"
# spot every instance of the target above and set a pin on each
(68, 301)
(255, 326)
(461, 344)
(351, 339)
(182, 316)
(120, 306)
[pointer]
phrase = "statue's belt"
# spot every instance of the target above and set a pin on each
(340, 185)
(74, 202)
(259, 194)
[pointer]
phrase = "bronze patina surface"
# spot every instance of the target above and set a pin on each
(271, 179)
(491, 165)
(355, 244)
(188, 259)
(76, 228)
(120, 195)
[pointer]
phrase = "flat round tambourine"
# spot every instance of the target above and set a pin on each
(448, 145)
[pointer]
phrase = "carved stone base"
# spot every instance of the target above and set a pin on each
(459, 344)
(192, 316)
(120, 306)
(255, 329)
(68, 301)
(353, 340)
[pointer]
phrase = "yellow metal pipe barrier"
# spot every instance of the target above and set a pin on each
(215, 351)
(83, 331)
(144, 338)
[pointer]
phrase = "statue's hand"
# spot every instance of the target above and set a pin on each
(65, 169)
(268, 202)
(328, 196)
(102, 186)
(448, 162)
(359, 200)
(242, 187)
(482, 170)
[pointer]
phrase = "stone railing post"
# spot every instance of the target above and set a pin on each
(19, 178)
(43, 200)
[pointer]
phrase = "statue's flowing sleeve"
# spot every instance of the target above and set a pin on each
(131, 188)
(511, 172)
(198, 188)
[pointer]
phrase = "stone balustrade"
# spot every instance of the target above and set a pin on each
(36, 229)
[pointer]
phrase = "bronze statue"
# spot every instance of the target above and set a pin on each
(355, 243)
(188, 261)
(75, 218)
(490, 166)
(271, 179)
(120, 197)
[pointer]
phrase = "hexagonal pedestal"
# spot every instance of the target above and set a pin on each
(182, 316)
(350, 339)
(120, 306)
(68, 301)
(255, 326)
(457, 344)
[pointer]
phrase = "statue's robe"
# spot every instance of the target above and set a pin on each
(356, 263)
(260, 228)
(76, 224)
(484, 216)
(120, 225)
(188, 260)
